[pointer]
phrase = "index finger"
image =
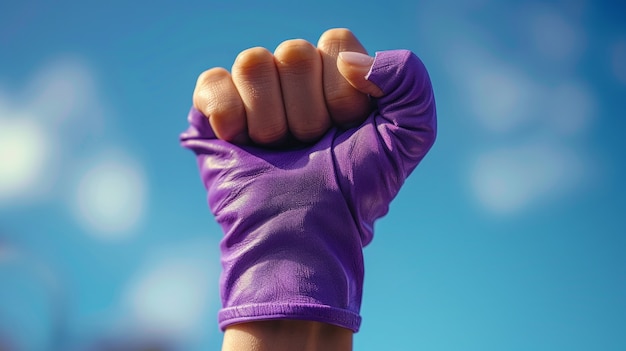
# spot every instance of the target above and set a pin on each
(217, 98)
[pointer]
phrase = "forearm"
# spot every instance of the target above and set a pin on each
(286, 335)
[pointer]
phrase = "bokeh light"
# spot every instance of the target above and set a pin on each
(26, 153)
(111, 197)
(554, 34)
(509, 180)
(172, 297)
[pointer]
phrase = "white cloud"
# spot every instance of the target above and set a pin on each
(64, 95)
(514, 103)
(555, 36)
(111, 196)
(172, 293)
(37, 128)
(54, 124)
(27, 158)
(500, 96)
(63, 90)
(504, 98)
(507, 180)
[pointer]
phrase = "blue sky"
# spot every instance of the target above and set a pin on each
(509, 236)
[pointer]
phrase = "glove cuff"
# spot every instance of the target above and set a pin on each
(269, 311)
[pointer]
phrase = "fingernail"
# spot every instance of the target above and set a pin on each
(356, 59)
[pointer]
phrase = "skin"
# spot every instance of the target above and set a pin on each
(287, 335)
(298, 91)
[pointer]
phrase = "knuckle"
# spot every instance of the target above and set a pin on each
(334, 36)
(336, 33)
(211, 75)
(208, 78)
(294, 50)
(214, 94)
(297, 57)
(254, 66)
(252, 58)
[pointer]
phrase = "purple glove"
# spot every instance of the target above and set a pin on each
(295, 221)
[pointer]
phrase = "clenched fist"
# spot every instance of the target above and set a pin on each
(295, 219)
(299, 91)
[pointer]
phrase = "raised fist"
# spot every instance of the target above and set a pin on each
(297, 92)
(295, 217)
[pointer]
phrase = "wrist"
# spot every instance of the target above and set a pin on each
(279, 335)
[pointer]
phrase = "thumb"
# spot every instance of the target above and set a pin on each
(355, 67)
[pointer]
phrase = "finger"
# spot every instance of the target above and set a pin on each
(299, 66)
(217, 98)
(345, 104)
(355, 67)
(256, 79)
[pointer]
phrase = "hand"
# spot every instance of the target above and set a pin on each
(295, 219)
(299, 91)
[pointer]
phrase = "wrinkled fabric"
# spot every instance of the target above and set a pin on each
(295, 221)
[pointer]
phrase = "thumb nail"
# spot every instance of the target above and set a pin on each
(356, 59)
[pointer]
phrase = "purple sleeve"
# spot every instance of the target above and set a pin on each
(295, 221)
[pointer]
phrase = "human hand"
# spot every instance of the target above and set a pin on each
(298, 91)
(295, 219)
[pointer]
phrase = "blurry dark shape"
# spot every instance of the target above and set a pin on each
(16, 261)
(6, 344)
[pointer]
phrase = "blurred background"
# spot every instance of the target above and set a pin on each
(509, 236)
